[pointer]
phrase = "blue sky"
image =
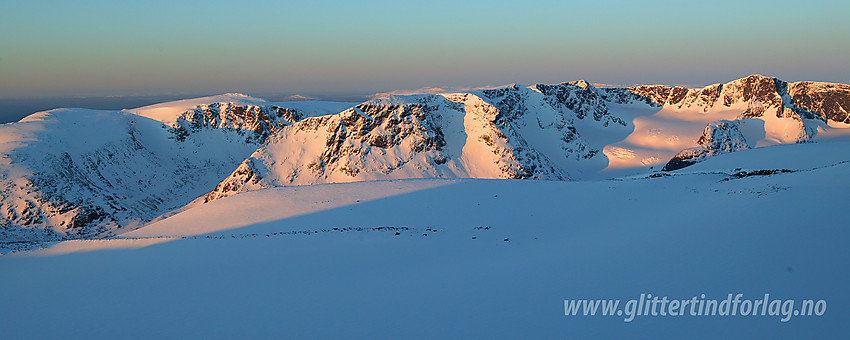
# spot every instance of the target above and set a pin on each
(105, 48)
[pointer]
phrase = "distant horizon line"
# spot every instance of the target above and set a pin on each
(346, 95)
(302, 95)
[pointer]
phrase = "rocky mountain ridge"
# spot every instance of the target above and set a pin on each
(88, 174)
(78, 173)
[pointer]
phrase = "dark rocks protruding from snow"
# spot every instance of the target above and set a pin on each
(583, 99)
(800, 100)
(406, 137)
(348, 143)
(88, 174)
(260, 121)
(830, 101)
(718, 138)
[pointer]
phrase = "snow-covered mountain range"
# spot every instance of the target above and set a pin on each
(77, 173)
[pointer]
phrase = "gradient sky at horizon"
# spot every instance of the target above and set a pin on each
(115, 48)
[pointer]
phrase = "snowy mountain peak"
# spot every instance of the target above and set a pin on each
(417, 136)
(79, 173)
(583, 84)
(810, 100)
(580, 98)
(261, 121)
(830, 101)
(76, 173)
(169, 112)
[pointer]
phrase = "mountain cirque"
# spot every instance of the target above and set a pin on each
(78, 173)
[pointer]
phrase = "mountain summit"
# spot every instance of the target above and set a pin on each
(77, 173)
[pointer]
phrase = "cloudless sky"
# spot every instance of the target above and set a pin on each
(106, 48)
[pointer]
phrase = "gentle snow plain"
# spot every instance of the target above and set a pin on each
(325, 261)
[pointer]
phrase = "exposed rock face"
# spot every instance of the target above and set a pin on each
(583, 99)
(753, 88)
(680, 97)
(718, 138)
(260, 120)
(657, 94)
(85, 174)
(340, 146)
(828, 100)
(805, 103)
(809, 100)
(409, 137)
(506, 117)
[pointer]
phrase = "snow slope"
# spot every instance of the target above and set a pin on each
(229, 110)
(463, 258)
(88, 174)
(758, 107)
(538, 132)
(420, 136)
(168, 112)
(78, 173)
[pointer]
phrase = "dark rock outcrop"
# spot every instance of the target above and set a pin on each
(718, 138)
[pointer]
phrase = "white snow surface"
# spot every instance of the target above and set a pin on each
(478, 258)
(129, 165)
(169, 111)
(414, 237)
(567, 131)
(124, 167)
(76, 173)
